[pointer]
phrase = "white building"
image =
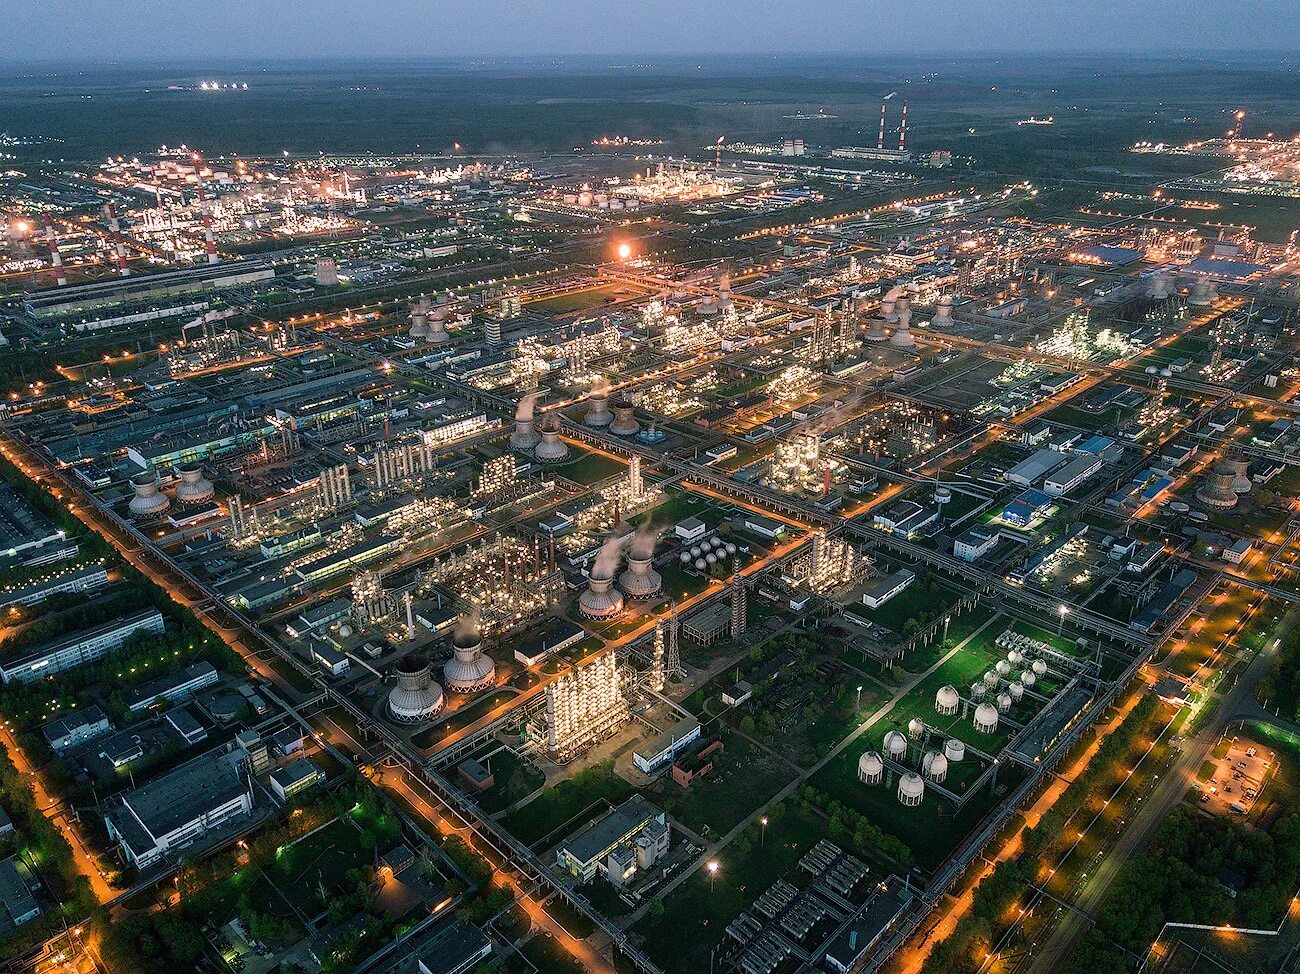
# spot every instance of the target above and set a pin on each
(80, 648)
(974, 544)
(1066, 478)
(664, 749)
(629, 838)
(173, 812)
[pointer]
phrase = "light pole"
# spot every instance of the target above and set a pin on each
(1063, 611)
(762, 835)
(858, 706)
(713, 874)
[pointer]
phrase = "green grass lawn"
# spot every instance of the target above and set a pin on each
(565, 806)
(319, 861)
(743, 778)
(696, 916)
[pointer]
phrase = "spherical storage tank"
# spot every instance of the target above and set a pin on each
(685, 557)
(915, 727)
(977, 690)
(870, 768)
(991, 679)
(946, 700)
(1003, 667)
(1017, 690)
(935, 766)
(986, 718)
(895, 745)
(1040, 667)
(1028, 678)
(1004, 702)
(911, 789)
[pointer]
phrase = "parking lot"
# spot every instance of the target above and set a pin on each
(1239, 777)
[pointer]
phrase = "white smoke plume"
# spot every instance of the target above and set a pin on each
(526, 407)
(643, 542)
(607, 559)
(466, 629)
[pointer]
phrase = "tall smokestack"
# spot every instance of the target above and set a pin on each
(118, 246)
(902, 130)
(880, 142)
(56, 259)
(209, 244)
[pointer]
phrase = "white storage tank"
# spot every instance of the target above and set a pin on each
(871, 769)
(986, 718)
(954, 750)
(911, 789)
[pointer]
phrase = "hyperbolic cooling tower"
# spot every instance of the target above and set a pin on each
(149, 500)
(416, 697)
(625, 423)
(552, 449)
(469, 669)
(194, 487)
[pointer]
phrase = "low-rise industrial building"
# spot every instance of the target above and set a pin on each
(882, 589)
(80, 648)
(294, 778)
(665, 748)
(172, 686)
(174, 811)
(66, 732)
(635, 831)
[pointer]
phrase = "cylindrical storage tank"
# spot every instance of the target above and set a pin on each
(895, 745)
(871, 769)
(1040, 667)
(915, 728)
(148, 501)
(934, 766)
(1017, 691)
(911, 789)
(986, 718)
(947, 700)
(954, 750)
(1004, 702)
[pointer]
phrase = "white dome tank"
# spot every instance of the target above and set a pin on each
(986, 718)
(895, 745)
(1014, 657)
(1028, 679)
(1004, 702)
(731, 548)
(1040, 668)
(701, 564)
(947, 700)
(684, 557)
(911, 789)
(991, 679)
(954, 750)
(978, 689)
(1003, 667)
(915, 728)
(934, 766)
(1017, 691)
(870, 768)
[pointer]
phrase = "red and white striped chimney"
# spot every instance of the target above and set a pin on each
(56, 259)
(209, 244)
(880, 142)
(118, 246)
(902, 130)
